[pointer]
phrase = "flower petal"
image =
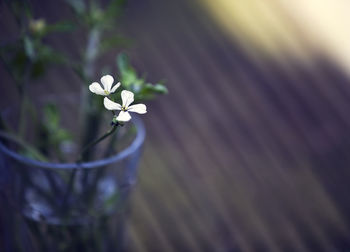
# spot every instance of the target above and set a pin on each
(96, 88)
(127, 97)
(138, 108)
(115, 87)
(107, 82)
(123, 116)
(111, 105)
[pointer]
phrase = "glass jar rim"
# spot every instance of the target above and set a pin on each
(134, 146)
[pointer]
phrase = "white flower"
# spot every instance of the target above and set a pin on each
(125, 108)
(107, 82)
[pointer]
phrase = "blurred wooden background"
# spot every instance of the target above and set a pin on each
(246, 153)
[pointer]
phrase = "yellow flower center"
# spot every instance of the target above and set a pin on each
(106, 92)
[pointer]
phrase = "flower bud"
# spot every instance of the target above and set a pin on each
(37, 26)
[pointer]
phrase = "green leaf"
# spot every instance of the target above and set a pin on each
(51, 134)
(62, 26)
(19, 8)
(29, 48)
(52, 124)
(77, 5)
(113, 10)
(112, 200)
(95, 16)
(113, 42)
(122, 62)
(160, 89)
(46, 56)
(51, 116)
(130, 81)
(18, 64)
(38, 69)
(50, 55)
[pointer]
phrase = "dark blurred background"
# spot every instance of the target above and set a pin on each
(249, 150)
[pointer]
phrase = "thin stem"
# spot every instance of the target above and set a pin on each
(91, 52)
(22, 114)
(90, 111)
(4, 126)
(84, 150)
(70, 187)
(24, 100)
(87, 147)
(111, 144)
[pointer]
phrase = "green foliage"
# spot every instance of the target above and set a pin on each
(39, 28)
(93, 14)
(29, 58)
(51, 134)
(29, 48)
(46, 57)
(78, 6)
(51, 120)
(111, 201)
(113, 10)
(20, 9)
(138, 85)
(114, 41)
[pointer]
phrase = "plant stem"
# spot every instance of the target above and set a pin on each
(70, 187)
(84, 150)
(3, 125)
(22, 115)
(87, 147)
(91, 112)
(24, 100)
(91, 53)
(109, 150)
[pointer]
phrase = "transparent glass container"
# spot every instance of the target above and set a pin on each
(52, 206)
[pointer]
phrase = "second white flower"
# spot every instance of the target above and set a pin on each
(125, 108)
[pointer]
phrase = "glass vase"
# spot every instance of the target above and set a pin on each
(76, 206)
